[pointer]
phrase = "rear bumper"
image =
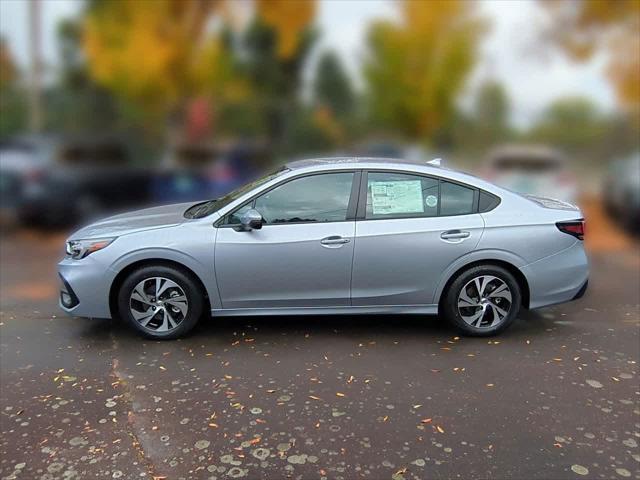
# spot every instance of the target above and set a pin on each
(559, 278)
(582, 291)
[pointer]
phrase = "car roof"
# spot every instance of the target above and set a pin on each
(353, 161)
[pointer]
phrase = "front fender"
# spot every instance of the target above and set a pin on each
(188, 247)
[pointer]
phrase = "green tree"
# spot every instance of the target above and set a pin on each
(161, 55)
(274, 79)
(76, 103)
(491, 114)
(13, 107)
(415, 70)
(332, 86)
(587, 27)
(578, 127)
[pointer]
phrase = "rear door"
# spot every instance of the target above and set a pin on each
(409, 229)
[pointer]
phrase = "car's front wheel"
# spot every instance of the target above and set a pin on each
(482, 301)
(160, 302)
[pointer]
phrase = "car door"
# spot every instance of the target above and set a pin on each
(410, 228)
(302, 255)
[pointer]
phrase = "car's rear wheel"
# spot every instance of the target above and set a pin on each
(160, 302)
(482, 301)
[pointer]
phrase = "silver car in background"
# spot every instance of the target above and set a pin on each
(332, 236)
(532, 169)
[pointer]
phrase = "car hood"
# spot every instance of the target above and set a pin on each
(139, 220)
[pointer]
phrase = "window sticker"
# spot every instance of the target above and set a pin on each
(431, 201)
(397, 197)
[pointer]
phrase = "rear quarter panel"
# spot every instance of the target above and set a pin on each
(525, 229)
(554, 263)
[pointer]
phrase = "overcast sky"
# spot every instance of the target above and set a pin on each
(532, 81)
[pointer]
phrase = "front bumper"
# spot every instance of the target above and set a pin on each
(84, 288)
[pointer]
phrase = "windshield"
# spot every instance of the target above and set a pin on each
(203, 209)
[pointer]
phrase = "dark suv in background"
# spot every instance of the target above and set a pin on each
(53, 181)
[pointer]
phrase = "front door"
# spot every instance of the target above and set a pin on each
(301, 257)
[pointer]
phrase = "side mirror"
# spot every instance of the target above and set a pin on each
(251, 220)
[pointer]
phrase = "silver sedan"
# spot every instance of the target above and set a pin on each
(332, 236)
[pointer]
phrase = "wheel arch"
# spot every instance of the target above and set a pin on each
(153, 262)
(520, 277)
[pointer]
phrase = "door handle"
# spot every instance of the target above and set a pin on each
(454, 235)
(334, 240)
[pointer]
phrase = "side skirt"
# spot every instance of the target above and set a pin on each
(357, 310)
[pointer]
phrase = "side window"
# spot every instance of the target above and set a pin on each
(487, 202)
(315, 198)
(397, 195)
(455, 199)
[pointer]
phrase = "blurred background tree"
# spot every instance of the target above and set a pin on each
(158, 55)
(332, 86)
(13, 108)
(187, 59)
(581, 130)
(487, 124)
(415, 70)
(587, 27)
(492, 110)
(75, 102)
(222, 72)
(273, 51)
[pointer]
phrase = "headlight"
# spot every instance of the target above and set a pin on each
(81, 248)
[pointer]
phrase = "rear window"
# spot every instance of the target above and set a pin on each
(398, 195)
(456, 199)
(487, 202)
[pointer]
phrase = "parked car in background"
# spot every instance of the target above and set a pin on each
(19, 162)
(332, 236)
(197, 172)
(532, 169)
(64, 181)
(621, 191)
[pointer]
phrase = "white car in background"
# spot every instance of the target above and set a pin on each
(532, 169)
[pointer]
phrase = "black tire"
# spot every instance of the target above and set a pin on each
(449, 304)
(195, 298)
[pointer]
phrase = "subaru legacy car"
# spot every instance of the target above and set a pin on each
(332, 236)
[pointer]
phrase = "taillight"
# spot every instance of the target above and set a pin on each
(574, 228)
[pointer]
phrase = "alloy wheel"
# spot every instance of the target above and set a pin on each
(484, 301)
(158, 304)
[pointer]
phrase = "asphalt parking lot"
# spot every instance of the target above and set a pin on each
(557, 396)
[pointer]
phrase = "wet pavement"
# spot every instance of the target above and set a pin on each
(556, 396)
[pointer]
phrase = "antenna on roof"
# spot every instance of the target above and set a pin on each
(436, 162)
